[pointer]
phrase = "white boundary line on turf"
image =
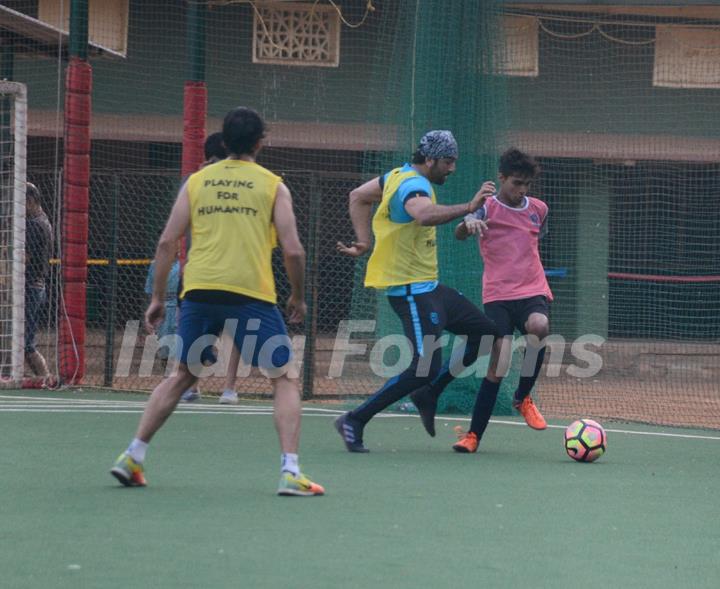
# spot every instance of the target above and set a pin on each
(181, 409)
(615, 431)
(42, 402)
(80, 408)
(17, 398)
(117, 411)
(64, 405)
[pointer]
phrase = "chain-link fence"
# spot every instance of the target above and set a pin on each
(127, 213)
(618, 104)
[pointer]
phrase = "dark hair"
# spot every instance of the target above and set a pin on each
(418, 158)
(31, 191)
(242, 129)
(214, 147)
(515, 162)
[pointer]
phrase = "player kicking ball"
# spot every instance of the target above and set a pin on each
(516, 295)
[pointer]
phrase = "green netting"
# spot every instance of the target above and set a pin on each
(619, 105)
(443, 72)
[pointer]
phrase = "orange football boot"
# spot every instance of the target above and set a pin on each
(530, 412)
(467, 441)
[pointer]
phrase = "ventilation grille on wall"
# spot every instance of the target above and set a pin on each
(299, 34)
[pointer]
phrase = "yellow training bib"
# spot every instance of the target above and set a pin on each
(231, 207)
(404, 252)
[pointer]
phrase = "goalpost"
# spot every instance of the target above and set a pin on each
(13, 164)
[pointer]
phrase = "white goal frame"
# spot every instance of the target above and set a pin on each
(18, 93)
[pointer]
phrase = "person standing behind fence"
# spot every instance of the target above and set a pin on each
(404, 263)
(215, 151)
(234, 209)
(168, 326)
(169, 322)
(38, 250)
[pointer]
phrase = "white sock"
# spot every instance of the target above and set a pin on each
(137, 449)
(289, 463)
(229, 392)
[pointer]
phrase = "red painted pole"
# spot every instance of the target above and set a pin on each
(76, 182)
(194, 114)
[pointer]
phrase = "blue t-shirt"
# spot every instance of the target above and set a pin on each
(172, 283)
(415, 185)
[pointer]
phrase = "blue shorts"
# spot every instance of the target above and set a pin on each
(259, 332)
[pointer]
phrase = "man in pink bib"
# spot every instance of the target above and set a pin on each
(516, 295)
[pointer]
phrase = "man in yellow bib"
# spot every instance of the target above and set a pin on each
(236, 210)
(404, 263)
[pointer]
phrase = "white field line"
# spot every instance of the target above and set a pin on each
(115, 411)
(616, 431)
(18, 399)
(218, 409)
(20, 404)
(138, 410)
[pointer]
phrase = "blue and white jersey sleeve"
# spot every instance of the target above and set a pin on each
(416, 185)
(544, 228)
(481, 213)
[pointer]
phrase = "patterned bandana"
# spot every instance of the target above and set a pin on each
(438, 144)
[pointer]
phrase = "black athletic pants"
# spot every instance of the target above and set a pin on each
(424, 317)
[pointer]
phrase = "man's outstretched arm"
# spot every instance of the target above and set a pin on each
(427, 213)
(361, 203)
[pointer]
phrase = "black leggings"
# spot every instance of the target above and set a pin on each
(424, 317)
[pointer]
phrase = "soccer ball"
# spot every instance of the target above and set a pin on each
(585, 440)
